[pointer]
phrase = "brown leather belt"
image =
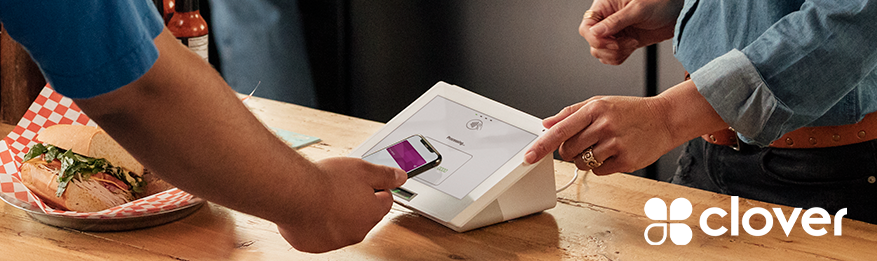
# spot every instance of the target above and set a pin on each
(807, 137)
(811, 137)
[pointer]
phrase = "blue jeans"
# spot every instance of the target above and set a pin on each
(831, 178)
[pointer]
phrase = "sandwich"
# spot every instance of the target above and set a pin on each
(81, 168)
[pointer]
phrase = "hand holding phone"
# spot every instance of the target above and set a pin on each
(414, 155)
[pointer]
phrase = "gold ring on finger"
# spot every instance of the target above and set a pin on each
(590, 14)
(590, 159)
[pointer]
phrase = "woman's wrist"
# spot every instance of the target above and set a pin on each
(688, 114)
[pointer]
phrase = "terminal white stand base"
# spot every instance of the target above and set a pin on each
(533, 193)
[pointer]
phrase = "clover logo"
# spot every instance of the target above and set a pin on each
(680, 209)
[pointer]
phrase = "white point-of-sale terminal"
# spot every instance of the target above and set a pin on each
(482, 178)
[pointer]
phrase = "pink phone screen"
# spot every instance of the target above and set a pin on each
(406, 156)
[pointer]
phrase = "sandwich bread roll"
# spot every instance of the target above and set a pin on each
(101, 176)
(91, 142)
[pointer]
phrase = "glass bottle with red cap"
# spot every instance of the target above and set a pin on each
(189, 27)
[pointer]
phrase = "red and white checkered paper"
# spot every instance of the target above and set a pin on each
(48, 109)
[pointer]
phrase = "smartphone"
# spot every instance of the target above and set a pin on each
(414, 155)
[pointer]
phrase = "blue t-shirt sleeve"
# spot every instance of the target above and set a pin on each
(86, 47)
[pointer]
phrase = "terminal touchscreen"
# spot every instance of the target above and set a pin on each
(482, 178)
(473, 144)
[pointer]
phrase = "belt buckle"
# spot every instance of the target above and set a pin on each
(736, 147)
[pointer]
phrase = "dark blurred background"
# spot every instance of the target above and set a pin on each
(370, 59)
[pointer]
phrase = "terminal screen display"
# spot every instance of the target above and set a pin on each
(473, 145)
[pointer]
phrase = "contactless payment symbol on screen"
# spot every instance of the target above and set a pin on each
(474, 124)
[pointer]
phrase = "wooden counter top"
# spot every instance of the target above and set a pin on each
(597, 218)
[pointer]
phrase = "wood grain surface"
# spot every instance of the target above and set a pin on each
(597, 218)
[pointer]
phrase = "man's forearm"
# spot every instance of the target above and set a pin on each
(183, 122)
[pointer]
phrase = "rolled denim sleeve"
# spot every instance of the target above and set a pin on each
(796, 71)
(737, 92)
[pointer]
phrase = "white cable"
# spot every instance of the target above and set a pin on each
(573, 180)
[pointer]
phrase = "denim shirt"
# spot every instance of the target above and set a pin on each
(770, 67)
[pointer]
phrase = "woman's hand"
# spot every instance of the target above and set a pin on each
(626, 133)
(616, 28)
